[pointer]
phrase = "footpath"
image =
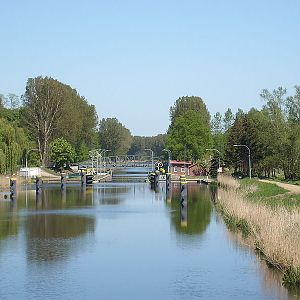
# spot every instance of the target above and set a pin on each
(295, 189)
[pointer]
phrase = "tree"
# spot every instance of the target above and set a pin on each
(13, 143)
(53, 110)
(13, 101)
(61, 152)
(114, 136)
(228, 119)
(189, 133)
(187, 103)
(43, 100)
(189, 136)
(140, 143)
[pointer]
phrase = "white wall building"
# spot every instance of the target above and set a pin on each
(30, 172)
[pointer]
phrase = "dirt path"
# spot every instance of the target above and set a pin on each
(295, 189)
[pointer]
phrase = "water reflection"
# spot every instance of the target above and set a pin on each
(195, 214)
(51, 237)
(8, 217)
(110, 194)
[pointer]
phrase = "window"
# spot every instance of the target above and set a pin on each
(182, 170)
(174, 169)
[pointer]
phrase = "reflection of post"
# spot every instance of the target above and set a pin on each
(169, 196)
(183, 201)
(64, 196)
(38, 198)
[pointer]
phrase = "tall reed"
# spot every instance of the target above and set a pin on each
(274, 232)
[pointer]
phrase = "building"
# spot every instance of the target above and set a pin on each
(180, 167)
(187, 168)
(30, 172)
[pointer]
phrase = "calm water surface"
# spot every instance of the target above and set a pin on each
(125, 241)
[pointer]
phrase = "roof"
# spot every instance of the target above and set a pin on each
(180, 163)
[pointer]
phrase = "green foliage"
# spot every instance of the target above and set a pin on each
(53, 109)
(291, 277)
(61, 152)
(189, 133)
(140, 143)
(13, 143)
(188, 103)
(114, 136)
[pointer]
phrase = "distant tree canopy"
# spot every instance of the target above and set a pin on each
(155, 143)
(189, 133)
(53, 109)
(114, 136)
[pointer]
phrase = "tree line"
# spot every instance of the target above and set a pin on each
(55, 120)
(59, 124)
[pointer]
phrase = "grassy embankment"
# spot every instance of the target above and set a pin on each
(269, 218)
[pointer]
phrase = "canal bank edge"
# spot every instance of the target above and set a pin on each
(240, 216)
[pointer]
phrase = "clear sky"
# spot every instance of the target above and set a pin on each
(133, 59)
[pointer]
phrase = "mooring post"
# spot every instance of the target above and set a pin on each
(156, 178)
(63, 180)
(183, 201)
(83, 178)
(13, 188)
(38, 184)
(168, 182)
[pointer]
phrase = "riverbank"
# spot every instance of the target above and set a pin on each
(269, 218)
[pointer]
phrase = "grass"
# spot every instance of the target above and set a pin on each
(273, 232)
(269, 194)
(262, 189)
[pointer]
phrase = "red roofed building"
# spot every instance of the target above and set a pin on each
(186, 168)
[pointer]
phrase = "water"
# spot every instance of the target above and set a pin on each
(125, 241)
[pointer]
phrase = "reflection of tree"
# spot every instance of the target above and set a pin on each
(199, 210)
(53, 237)
(110, 195)
(55, 198)
(8, 220)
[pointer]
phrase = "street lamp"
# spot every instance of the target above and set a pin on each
(249, 156)
(169, 158)
(213, 149)
(26, 162)
(105, 150)
(151, 158)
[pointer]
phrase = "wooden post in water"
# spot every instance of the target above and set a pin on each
(63, 180)
(156, 178)
(168, 187)
(83, 178)
(13, 188)
(183, 201)
(38, 185)
(168, 181)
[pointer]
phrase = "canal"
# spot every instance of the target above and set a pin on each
(125, 241)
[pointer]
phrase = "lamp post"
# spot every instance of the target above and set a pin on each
(213, 149)
(152, 164)
(169, 158)
(106, 150)
(249, 157)
(26, 162)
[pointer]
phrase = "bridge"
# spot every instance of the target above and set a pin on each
(121, 161)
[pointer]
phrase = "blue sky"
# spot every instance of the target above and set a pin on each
(133, 59)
